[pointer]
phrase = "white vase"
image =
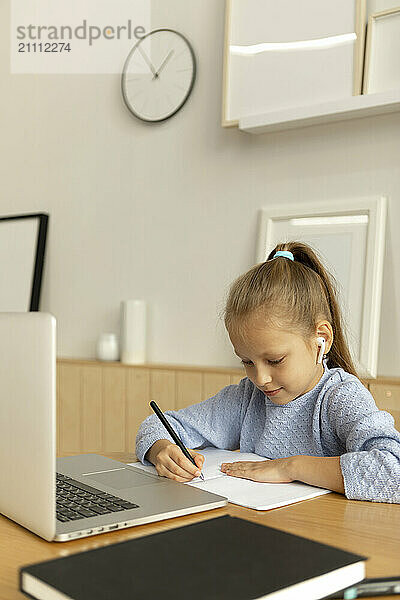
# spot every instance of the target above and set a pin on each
(107, 347)
(133, 332)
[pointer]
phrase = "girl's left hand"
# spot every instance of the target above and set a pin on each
(266, 471)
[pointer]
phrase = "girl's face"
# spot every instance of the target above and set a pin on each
(276, 359)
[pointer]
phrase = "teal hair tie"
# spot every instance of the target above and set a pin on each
(284, 253)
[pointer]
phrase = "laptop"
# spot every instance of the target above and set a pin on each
(94, 494)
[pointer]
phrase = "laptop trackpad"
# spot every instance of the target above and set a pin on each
(122, 479)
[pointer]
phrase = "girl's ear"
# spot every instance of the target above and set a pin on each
(324, 330)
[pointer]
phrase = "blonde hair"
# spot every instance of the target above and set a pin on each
(291, 294)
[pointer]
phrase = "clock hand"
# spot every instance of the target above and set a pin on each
(166, 59)
(146, 58)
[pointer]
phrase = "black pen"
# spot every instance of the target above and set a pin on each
(174, 435)
(377, 586)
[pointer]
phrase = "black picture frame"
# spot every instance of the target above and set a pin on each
(39, 254)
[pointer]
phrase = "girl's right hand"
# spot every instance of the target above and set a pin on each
(170, 461)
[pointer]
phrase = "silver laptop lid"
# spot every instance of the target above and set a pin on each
(27, 420)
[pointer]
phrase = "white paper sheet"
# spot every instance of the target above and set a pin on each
(251, 494)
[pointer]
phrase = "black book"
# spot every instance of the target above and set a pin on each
(218, 559)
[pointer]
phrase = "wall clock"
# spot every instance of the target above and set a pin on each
(158, 75)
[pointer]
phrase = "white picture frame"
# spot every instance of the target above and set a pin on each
(382, 53)
(349, 235)
(288, 54)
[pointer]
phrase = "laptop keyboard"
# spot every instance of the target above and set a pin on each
(76, 500)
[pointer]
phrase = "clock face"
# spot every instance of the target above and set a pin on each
(158, 75)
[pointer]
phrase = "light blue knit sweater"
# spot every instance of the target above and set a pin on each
(338, 417)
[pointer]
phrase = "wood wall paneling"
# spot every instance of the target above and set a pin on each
(101, 405)
(387, 397)
(162, 388)
(235, 379)
(137, 399)
(92, 409)
(70, 408)
(188, 388)
(114, 421)
(213, 382)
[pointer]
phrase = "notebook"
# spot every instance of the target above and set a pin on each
(251, 494)
(219, 559)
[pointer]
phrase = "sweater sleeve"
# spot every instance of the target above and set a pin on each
(213, 422)
(371, 463)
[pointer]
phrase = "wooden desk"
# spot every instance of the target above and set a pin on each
(371, 529)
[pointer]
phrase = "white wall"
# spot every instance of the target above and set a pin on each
(374, 6)
(169, 212)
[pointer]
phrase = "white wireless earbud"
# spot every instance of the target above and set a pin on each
(321, 343)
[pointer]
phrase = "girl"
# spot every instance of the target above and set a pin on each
(310, 414)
